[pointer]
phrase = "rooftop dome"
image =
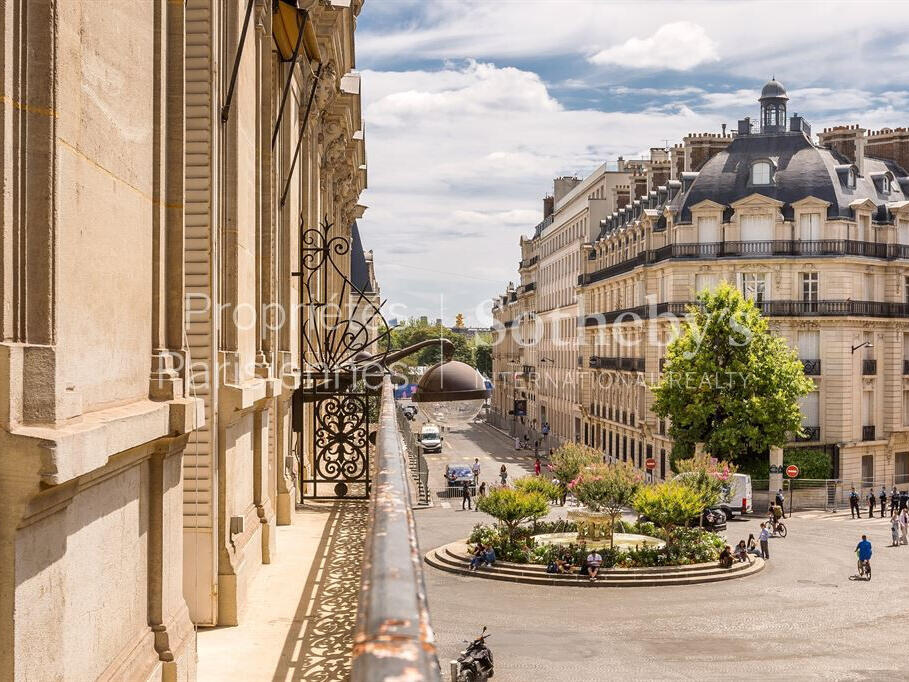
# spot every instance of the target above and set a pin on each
(774, 88)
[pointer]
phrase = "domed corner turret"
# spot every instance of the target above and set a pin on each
(773, 107)
(773, 90)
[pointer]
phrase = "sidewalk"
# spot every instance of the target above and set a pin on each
(301, 611)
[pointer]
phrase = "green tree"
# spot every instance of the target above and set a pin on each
(729, 382)
(414, 331)
(512, 507)
(708, 477)
(538, 484)
(668, 505)
(483, 356)
(569, 459)
(607, 488)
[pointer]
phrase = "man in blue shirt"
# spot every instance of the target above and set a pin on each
(863, 549)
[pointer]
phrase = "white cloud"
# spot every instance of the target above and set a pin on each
(678, 46)
(459, 161)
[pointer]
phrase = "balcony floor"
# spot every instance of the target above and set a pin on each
(301, 609)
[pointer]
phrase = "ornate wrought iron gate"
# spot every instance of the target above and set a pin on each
(341, 447)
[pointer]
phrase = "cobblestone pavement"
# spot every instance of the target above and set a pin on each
(801, 618)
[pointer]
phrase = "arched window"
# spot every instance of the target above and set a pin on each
(885, 185)
(760, 173)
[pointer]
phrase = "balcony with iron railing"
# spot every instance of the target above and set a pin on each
(750, 249)
(616, 363)
(768, 308)
(810, 434)
(812, 367)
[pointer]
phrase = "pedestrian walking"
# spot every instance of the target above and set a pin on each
(883, 499)
(895, 529)
(526, 442)
(536, 448)
(764, 539)
(503, 474)
(894, 499)
(781, 501)
(481, 493)
(854, 504)
(465, 496)
(475, 468)
(904, 525)
(536, 467)
(872, 500)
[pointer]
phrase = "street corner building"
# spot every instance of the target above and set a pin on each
(159, 159)
(815, 232)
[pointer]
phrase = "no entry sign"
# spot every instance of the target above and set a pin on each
(792, 471)
(650, 463)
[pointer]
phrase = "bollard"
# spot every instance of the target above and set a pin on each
(453, 670)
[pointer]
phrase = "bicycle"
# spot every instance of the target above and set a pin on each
(778, 528)
(864, 568)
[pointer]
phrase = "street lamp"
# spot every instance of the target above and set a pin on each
(864, 344)
(450, 392)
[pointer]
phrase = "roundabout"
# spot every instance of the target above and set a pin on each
(455, 558)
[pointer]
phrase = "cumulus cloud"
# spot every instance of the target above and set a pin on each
(459, 160)
(678, 46)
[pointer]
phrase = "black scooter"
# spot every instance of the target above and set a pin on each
(475, 662)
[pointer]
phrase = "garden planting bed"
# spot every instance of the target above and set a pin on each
(455, 558)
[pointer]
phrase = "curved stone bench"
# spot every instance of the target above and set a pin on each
(455, 558)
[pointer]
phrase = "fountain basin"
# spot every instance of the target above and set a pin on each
(620, 540)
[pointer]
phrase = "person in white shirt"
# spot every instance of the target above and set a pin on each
(764, 538)
(594, 560)
(475, 467)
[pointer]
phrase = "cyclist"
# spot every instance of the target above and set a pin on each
(776, 513)
(863, 550)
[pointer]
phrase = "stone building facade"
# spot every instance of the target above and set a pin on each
(148, 231)
(817, 234)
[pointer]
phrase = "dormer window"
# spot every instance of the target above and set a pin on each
(885, 185)
(761, 173)
(850, 179)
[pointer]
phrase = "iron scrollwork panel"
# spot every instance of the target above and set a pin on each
(340, 447)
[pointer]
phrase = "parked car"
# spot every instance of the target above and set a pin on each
(431, 438)
(410, 411)
(711, 519)
(457, 474)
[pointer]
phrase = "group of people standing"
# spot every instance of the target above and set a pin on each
(899, 510)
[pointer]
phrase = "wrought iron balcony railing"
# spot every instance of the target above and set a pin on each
(777, 308)
(869, 367)
(868, 433)
(810, 434)
(746, 249)
(393, 638)
(619, 363)
(812, 366)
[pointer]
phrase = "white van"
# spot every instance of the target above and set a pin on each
(431, 438)
(740, 496)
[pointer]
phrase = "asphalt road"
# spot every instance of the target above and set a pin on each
(800, 618)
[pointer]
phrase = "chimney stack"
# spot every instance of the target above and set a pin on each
(548, 206)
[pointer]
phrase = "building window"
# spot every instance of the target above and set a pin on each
(885, 185)
(901, 468)
(850, 179)
(809, 287)
(756, 228)
(754, 286)
(867, 470)
(760, 173)
(810, 226)
(906, 286)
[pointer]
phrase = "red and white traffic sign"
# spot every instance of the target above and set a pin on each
(650, 463)
(792, 471)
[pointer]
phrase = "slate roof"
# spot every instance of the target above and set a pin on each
(801, 169)
(359, 272)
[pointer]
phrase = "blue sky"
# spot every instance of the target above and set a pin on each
(472, 107)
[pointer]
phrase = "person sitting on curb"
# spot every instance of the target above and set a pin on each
(594, 560)
(741, 552)
(726, 557)
(477, 559)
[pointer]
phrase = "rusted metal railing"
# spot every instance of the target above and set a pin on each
(394, 640)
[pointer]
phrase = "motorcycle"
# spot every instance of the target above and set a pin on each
(475, 662)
